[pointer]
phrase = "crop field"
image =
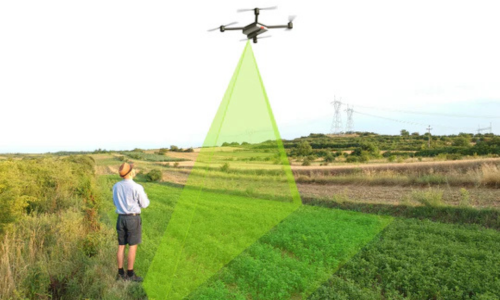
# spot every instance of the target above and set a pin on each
(474, 182)
(322, 253)
(424, 220)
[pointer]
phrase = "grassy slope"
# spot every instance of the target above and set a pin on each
(303, 236)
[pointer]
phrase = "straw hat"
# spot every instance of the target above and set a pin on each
(125, 169)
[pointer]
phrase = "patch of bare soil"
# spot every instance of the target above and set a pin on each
(479, 197)
(175, 176)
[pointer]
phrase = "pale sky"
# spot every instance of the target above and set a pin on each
(82, 75)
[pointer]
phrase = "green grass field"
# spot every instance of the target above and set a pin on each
(416, 259)
(324, 253)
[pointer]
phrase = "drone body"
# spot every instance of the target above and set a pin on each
(253, 30)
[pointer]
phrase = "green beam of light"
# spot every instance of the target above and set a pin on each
(233, 196)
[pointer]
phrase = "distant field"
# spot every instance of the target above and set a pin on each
(472, 182)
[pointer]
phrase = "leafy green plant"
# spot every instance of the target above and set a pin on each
(464, 197)
(154, 175)
(225, 168)
(329, 158)
(430, 197)
(352, 159)
(419, 259)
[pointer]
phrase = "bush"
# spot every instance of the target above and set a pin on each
(57, 237)
(364, 157)
(464, 198)
(329, 158)
(44, 185)
(352, 159)
(431, 198)
(304, 149)
(154, 175)
(453, 156)
(225, 167)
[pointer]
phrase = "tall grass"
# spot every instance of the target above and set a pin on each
(430, 197)
(55, 244)
(490, 175)
(474, 174)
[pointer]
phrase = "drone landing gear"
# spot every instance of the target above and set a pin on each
(255, 40)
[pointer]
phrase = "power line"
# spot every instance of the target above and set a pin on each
(429, 140)
(479, 129)
(427, 113)
(350, 122)
(410, 122)
(337, 120)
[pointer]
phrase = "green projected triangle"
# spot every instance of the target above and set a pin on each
(240, 187)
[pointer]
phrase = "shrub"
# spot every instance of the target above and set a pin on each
(341, 197)
(491, 175)
(352, 159)
(304, 149)
(432, 198)
(154, 175)
(176, 164)
(225, 167)
(329, 158)
(464, 197)
(364, 157)
(453, 156)
(306, 162)
(311, 157)
(461, 142)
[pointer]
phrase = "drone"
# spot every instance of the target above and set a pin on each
(253, 30)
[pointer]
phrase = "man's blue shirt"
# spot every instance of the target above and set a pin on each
(129, 197)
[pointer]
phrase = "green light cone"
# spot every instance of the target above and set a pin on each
(234, 194)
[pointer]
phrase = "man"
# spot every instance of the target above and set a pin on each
(128, 197)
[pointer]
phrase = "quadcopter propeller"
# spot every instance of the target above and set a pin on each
(251, 9)
(217, 28)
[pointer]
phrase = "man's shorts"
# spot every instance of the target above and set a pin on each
(129, 229)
